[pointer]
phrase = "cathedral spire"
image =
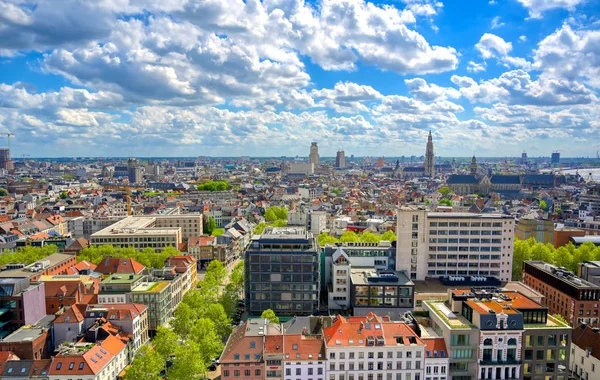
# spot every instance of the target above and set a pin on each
(474, 165)
(429, 168)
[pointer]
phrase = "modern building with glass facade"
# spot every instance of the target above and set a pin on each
(282, 268)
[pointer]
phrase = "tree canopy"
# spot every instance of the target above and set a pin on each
(351, 236)
(567, 256)
(270, 315)
(214, 186)
(3, 192)
(445, 190)
(27, 255)
(148, 257)
(147, 365)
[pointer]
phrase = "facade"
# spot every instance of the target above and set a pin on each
(437, 362)
(386, 292)
(131, 318)
(242, 357)
(564, 293)
(438, 244)
(542, 230)
(117, 288)
(302, 168)
(371, 347)
(495, 334)
(157, 297)
(5, 161)
(590, 271)
(57, 263)
(585, 353)
(21, 302)
(139, 233)
(429, 158)
(282, 268)
(318, 222)
(340, 160)
(313, 157)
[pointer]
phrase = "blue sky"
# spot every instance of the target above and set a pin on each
(265, 78)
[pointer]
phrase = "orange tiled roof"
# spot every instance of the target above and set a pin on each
(76, 313)
(299, 347)
(117, 265)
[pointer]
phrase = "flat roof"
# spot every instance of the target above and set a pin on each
(128, 223)
(24, 334)
(369, 276)
(562, 274)
(138, 232)
(446, 215)
(122, 279)
(151, 287)
(54, 259)
(452, 320)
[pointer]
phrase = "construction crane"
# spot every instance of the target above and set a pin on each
(127, 189)
(8, 134)
(25, 155)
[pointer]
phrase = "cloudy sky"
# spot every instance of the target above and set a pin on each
(265, 78)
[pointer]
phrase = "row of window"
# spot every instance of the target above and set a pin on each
(466, 224)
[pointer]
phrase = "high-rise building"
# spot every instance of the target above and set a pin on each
(439, 244)
(5, 161)
(524, 159)
(340, 159)
(282, 268)
(429, 158)
(555, 159)
(134, 172)
(313, 157)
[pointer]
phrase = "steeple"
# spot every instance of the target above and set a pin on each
(474, 165)
(429, 169)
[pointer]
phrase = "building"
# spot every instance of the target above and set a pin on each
(495, 334)
(555, 158)
(116, 265)
(117, 288)
(242, 357)
(25, 369)
(302, 168)
(340, 159)
(429, 158)
(304, 357)
(437, 361)
(32, 342)
(282, 268)
(542, 230)
(373, 345)
(57, 263)
(5, 161)
(590, 271)
(313, 157)
(585, 353)
(444, 244)
(157, 297)
(563, 235)
(21, 303)
(134, 172)
(131, 318)
(139, 233)
(384, 292)
(318, 222)
(564, 293)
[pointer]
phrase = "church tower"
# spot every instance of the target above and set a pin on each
(429, 158)
(473, 166)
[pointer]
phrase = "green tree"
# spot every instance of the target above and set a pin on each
(215, 273)
(229, 299)
(270, 215)
(237, 275)
(445, 190)
(189, 362)
(217, 232)
(279, 223)
(64, 195)
(369, 237)
(146, 365)
(282, 213)
(389, 236)
(165, 342)
(324, 238)
(216, 313)
(543, 205)
(204, 333)
(270, 315)
(349, 236)
(183, 319)
(446, 202)
(212, 224)
(260, 227)
(3, 192)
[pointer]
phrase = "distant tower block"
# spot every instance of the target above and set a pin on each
(5, 161)
(340, 159)
(429, 158)
(380, 162)
(313, 157)
(524, 159)
(555, 159)
(474, 166)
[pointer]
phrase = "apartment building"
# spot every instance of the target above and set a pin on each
(242, 357)
(190, 224)
(371, 347)
(495, 334)
(131, 318)
(117, 288)
(444, 244)
(282, 268)
(564, 293)
(156, 296)
(585, 353)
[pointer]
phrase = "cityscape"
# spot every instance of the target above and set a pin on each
(299, 190)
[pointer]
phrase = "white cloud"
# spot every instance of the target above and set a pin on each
(346, 97)
(571, 55)
(523, 38)
(421, 90)
(475, 67)
(492, 46)
(496, 23)
(537, 7)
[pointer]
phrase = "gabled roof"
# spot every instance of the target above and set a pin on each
(117, 265)
(25, 368)
(76, 313)
(586, 338)
(505, 179)
(461, 179)
(6, 356)
(80, 266)
(301, 347)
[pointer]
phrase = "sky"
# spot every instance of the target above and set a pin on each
(266, 78)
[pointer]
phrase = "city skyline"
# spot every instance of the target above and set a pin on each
(233, 78)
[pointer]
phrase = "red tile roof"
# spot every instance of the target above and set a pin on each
(82, 265)
(435, 344)
(301, 347)
(76, 313)
(117, 265)
(6, 356)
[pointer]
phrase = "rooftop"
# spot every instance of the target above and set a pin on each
(453, 321)
(151, 287)
(37, 267)
(369, 276)
(122, 279)
(560, 273)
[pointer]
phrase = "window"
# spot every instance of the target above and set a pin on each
(226, 373)
(257, 372)
(252, 344)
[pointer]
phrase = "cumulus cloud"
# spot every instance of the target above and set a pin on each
(493, 46)
(537, 7)
(421, 90)
(571, 55)
(475, 67)
(496, 23)
(346, 97)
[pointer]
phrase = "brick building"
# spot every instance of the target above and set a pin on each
(564, 293)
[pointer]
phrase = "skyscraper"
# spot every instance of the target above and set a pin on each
(313, 157)
(340, 159)
(5, 161)
(429, 158)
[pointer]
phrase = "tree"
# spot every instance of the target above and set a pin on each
(282, 213)
(146, 365)
(349, 236)
(216, 313)
(260, 227)
(64, 195)
(543, 205)
(324, 238)
(446, 202)
(229, 299)
(445, 190)
(369, 237)
(270, 215)
(212, 224)
(389, 236)
(189, 362)
(205, 335)
(183, 319)
(270, 315)
(237, 275)
(3, 192)
(215, 273)
(165, 342)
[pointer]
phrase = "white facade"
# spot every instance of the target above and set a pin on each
(500, 346)
(318, 222)
(302, 168)
(297, 218)
(584, 365)
(437, 368)
(432, 245)
(339, 296)
(314, 369)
